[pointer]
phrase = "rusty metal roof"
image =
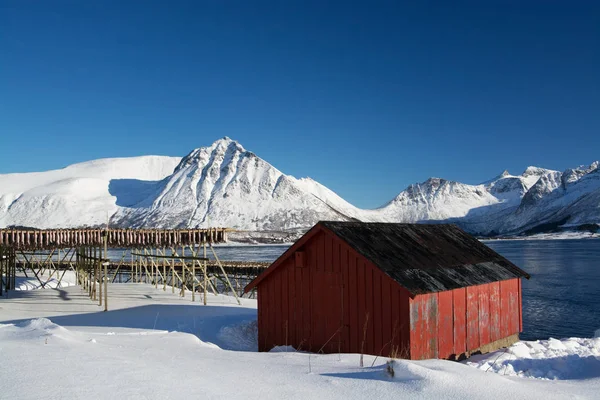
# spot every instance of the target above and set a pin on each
(426, 258)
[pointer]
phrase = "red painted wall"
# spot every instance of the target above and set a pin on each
(324, 299)
(325, 304)
(447, 324)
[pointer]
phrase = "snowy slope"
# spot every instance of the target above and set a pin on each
(226, 185)
(74, 196)
(153, 344)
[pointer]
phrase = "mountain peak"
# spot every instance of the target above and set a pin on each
(532, 170)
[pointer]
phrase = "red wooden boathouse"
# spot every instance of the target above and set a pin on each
(403, 290)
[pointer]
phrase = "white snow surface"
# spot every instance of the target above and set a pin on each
(152, 344)
(226, 185)
(77, 195)
(573, 358)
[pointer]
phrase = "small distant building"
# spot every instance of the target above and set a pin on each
(397, 290)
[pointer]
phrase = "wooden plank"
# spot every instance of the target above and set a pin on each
(306, 306)
(513, 304)
(429, 318)
(520, 305)
(268, 321)
(472, 317)
(504, 309)
(276, 306)
(376, 291)
(353, 305)
(494, 311)
(327, 254)
(335, 256)
(415, 326)
(445, 325)
(346, 303)
(398, 320)
(387, 334)
(460, 323)
(320, 260)
(484, 314)
(288, 295)
(362, 299)
(299, 308)
(368, 294)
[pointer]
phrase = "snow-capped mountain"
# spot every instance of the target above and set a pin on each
(77, 195)
(226, 185)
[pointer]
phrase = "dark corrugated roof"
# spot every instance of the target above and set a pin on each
(426, 258)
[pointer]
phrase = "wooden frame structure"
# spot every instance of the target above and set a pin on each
(175, 258)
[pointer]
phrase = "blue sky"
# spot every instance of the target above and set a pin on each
(366, 98)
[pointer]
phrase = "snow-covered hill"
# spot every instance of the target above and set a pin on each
(78, 195)
(226, 185)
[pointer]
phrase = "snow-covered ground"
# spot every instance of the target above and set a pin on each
(48, 281)
(155, 344)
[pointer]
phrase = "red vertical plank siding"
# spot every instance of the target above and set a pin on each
(290, 289)
(368, 293)
(375, 289)
(415, 327)
(345, 303)
(472, 317)
(353, 302)
(494, 299)
(484, 314)
(432, 328)
(459, 297)
(504, 309)
(361, 299)
(387, 335)
(272, 315)
(285, 315)
(276, 306)
(306, 295)
(520, 306)
(320, 254)
(263, 326)
(513, 304)
(327, 250)
(398, 320)
(300, 308)
(445, 325)
(335, 256)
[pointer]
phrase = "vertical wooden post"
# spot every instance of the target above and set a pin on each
(1, 269)
(132, 275)
(164, 271)
(183, 267)
(105, 270)
(155, 265)
(193, 277)
(205, 274)
(100, 280)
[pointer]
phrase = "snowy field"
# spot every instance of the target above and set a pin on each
(57, 343)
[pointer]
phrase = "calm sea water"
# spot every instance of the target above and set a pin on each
(562, 298)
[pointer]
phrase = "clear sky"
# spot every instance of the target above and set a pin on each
(365, 97)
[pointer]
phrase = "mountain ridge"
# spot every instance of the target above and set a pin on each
(225, 184)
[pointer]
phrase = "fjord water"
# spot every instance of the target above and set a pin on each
(562, 298)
